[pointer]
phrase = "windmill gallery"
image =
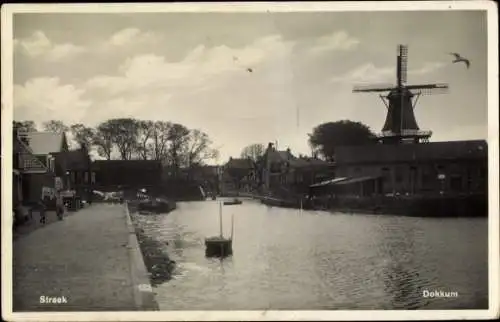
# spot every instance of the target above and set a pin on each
(404, 172)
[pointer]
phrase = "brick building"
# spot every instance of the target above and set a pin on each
(78, 171)
(37, 152)
(282, 171)
(454, 167)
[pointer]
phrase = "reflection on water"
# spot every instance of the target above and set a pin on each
(287, 259)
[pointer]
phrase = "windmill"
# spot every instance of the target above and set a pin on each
(400, 124)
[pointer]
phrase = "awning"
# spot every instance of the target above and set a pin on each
(356, 180)
(327, 182)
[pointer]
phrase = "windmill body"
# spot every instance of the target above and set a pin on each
(400, 124)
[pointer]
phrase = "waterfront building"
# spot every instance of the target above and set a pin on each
(454, 167)
(401, 162)
(238, 175)
(283, 173)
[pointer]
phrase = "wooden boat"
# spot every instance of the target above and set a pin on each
(218, 246)
(233, 202)
(156, 205)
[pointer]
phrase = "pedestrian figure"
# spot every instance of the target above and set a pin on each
(42, 205)
(59, 206)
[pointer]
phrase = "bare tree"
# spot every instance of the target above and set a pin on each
(83, 135)
(197, 149)
(55, 126)
(124, 135)
(253, 151)
(158, 145)
(104, 140)
(178, 136)
(145, 132)
(25, 126)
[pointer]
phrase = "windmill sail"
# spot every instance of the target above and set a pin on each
(400, 123)
(402, 64)
(373, 88)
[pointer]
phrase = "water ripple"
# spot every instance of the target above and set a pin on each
(286, 259)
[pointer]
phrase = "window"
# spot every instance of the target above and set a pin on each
(93, 177)
(86, 177)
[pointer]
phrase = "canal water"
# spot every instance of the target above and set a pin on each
(312, 260)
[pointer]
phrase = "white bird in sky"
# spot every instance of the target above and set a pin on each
(459, 58)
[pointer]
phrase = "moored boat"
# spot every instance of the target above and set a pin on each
(233, 202)
(218, 246)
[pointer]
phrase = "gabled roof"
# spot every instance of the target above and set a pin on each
(238, 163)
(20, 147)
(29, 162)
(45, 142)
(279, 156)
(298, 162)
(287, 156)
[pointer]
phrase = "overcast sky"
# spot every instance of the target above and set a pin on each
(191, 68)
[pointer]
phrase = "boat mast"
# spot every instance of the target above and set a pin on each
(232, 226)
(220, 218)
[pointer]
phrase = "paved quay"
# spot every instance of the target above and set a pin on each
(90, 261)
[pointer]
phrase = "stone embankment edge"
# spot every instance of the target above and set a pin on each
(144, 296)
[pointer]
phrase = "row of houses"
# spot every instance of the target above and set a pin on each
(43, 163)
(277, 171)
(452, 167)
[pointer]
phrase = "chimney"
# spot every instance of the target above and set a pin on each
(83, 146)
